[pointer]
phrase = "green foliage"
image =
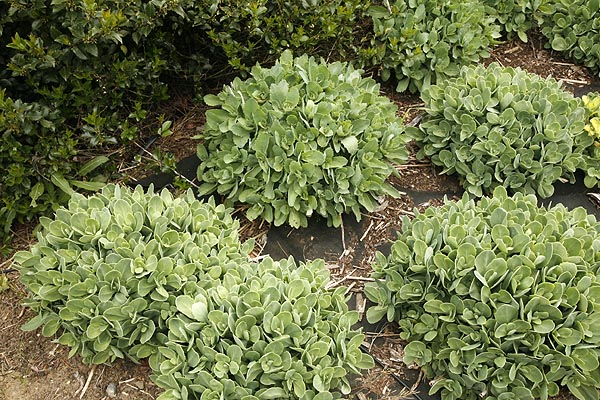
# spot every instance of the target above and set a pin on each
(88, 60)
(498, 298)
(28, 129)
(518, 16)
(591, 102)
(589, 144)
(38, 161)
(95, 69)
(108, 268)
(502, 126)
(259, 31)
(299, 138)
(271, 331)
(573, 28)
(420, 43)
(74, 74)
(128, 273)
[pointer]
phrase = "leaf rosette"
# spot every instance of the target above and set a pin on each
(301, 138)
(573, 28)
(497, 298)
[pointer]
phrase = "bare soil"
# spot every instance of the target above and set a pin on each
(35, 368)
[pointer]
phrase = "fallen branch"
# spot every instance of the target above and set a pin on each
(360, 278)
(564, 64)
(343, 233)
(512, 50)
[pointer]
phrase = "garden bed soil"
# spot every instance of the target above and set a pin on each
(35, 368)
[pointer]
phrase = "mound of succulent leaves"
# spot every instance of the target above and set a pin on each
(128, 273)
(423, 42)
(301, 138)
(502, 126)
(109, 267)
(573, 27)
(270, 331)
(498, 298)
(518, 16)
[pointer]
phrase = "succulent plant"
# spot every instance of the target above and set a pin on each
(518, 16)
(572, 27)
(424, 42)
(502, 126)
(106, 271)
(301, 138)
(271, 331)
(497, 298)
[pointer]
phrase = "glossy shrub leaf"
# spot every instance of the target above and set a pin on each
(93, 164)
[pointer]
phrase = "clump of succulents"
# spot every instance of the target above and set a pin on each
(420, 43)
(107, 269)
(518, 16)
(271, 331)
(301, 138)
(502, 126)
(573, 28)
(129, 273)
(497, 298)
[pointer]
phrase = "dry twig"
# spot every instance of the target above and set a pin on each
(87, 382)
(575, 81)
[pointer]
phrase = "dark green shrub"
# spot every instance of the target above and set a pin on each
(420, 43)
(573, 28)
(89, 60)
(37, 157)
(261, 30)
(518, 16)
(28, 129)
(271, 331)
(299, 138)
(498, 298)
(104, 55)
(74, 75)
(98, 68)
(502, 126)
(107, 270)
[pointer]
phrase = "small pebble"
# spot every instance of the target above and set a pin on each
(111, 390)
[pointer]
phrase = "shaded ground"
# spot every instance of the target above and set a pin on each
(34, 368)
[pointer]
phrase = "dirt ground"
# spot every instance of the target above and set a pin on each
(35, 368)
